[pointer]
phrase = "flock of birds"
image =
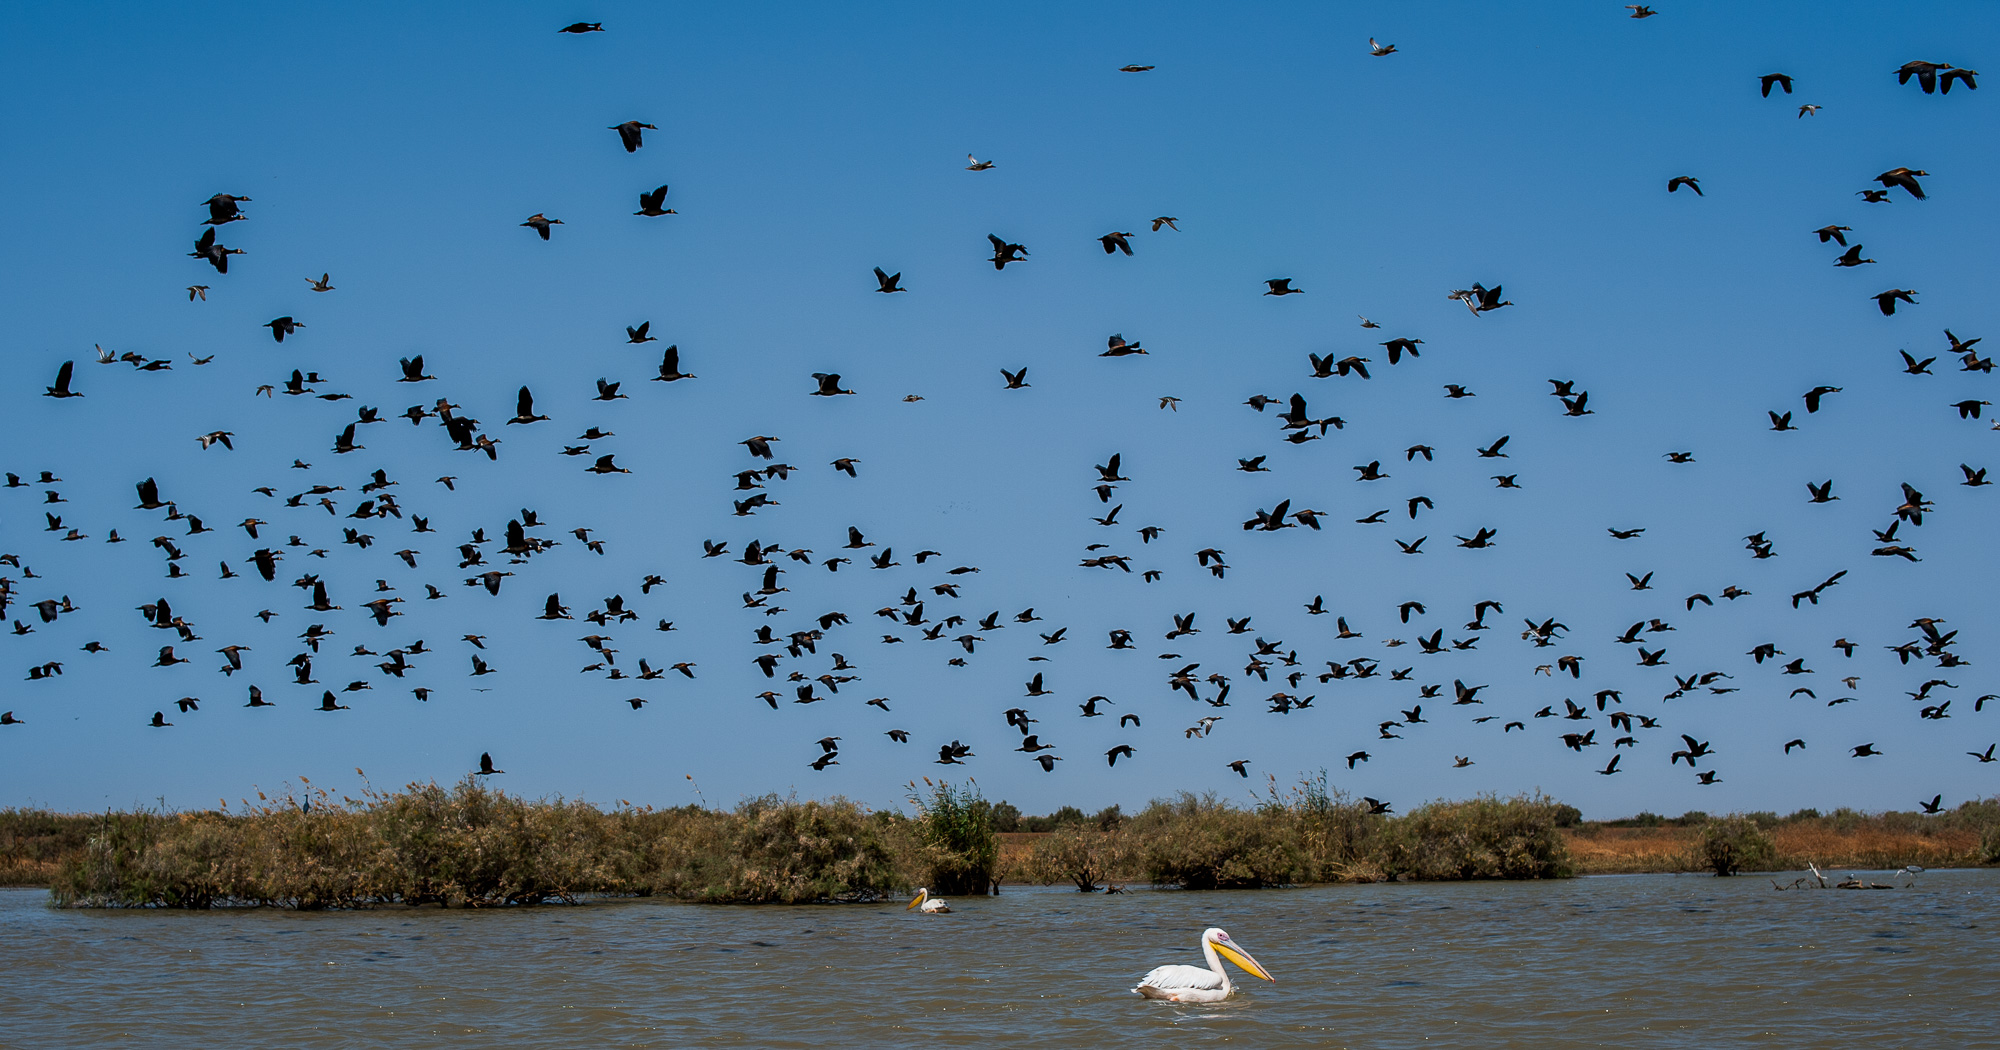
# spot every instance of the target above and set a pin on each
(324, 530)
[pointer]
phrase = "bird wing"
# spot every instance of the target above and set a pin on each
(1181, 979)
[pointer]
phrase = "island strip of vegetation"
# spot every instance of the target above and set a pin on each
(471, 845)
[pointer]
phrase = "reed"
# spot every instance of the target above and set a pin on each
(1199, 842)
(1482, 838)
(471, 845)
(1080, 854)
(34, 843)
(955, 844)
(1308, 833)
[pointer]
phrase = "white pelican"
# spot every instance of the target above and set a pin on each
(928, 904)
(1192, 984)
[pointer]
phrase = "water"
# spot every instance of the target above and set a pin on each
(1632, 961)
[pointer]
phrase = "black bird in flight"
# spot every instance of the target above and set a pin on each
(649, 204)
(632, 134)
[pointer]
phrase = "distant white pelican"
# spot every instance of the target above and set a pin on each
(928, 904)
(1192, 984)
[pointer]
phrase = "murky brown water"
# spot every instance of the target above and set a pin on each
(1632, 962)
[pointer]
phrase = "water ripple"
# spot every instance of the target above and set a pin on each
(1631, 961)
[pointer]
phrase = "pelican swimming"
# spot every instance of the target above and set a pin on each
(928, 904)
(1192, 984)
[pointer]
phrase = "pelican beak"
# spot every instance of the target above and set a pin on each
(914, 901)
(1241, 958)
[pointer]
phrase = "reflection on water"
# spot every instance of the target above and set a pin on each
(1631, 961)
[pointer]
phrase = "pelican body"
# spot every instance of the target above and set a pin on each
(1192, 984)
(927, 904)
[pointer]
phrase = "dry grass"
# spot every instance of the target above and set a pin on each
(1874, 843)
(1874, 847)
(1630, 851)
(35, 843)
(1015, 847)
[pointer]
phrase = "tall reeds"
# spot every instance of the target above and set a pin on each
(1308, 833)
(470, 845)
(956, 847)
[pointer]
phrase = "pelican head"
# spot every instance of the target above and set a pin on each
(1229, 949)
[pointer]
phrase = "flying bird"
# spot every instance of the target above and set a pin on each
(632, 133)
(649, 204)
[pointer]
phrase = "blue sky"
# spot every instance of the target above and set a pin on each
(805, 146)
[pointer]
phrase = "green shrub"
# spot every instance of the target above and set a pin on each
(1061, 817)
(1731, 844)
(1077, 854)
(1201, 843)
(110, 870)
(783, 851)
(1481, 838)
(34, 842)
(1337, 838)
(474, 846)
(957, 848)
